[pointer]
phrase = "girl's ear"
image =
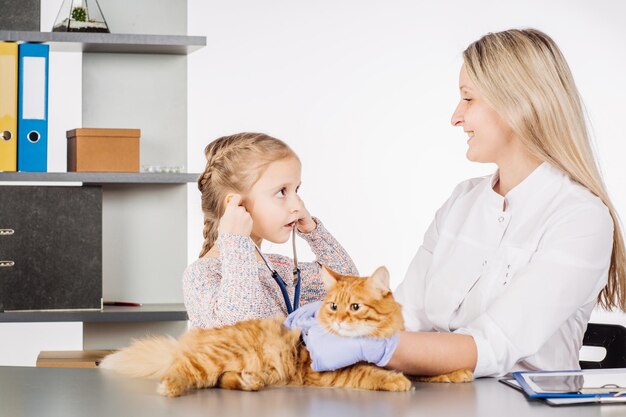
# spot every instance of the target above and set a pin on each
(327, 277)
(380, 280)
(234, 197)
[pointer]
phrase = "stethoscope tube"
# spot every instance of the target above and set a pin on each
(279, 280)
(296, 270)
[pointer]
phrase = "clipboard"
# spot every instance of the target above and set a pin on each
(591, 383)
(585, 400)
(511, 382)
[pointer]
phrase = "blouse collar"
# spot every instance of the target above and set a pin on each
(530, 186)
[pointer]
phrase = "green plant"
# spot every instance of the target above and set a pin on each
(79, 14)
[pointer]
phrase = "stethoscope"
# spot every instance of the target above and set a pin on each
(279, 280)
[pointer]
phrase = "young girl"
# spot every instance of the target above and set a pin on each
(250, 193)
(513, 264)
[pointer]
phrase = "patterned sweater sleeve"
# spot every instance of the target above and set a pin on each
(221, 296)
(329, 252)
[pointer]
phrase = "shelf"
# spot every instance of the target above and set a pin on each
(109, 42)
(98, 178)
(145, 313)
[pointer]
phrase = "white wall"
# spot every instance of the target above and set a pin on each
(364, 92)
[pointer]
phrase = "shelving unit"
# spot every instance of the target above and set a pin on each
(132, 80)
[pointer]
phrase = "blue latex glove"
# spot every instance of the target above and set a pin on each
(303, 317)
(330, 352)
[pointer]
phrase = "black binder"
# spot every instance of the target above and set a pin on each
(50, 248)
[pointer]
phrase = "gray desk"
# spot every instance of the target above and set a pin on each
(92, 392)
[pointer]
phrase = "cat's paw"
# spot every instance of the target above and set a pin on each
(170, 388)
(459, 376)
(396, 382)
(251, 381)
(463, 375)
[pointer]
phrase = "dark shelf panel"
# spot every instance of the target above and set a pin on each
(147, 312)
(109, 42)
(100, 178)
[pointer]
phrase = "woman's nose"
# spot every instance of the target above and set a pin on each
(457, 116)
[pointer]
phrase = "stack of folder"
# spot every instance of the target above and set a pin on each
(605, 386)
(24, 107)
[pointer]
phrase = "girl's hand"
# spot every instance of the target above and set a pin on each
(305, 223)
(236, 219)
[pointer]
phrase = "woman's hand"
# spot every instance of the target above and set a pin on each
(305, 223)
(303, 317)
(330, 352)
(236, 219)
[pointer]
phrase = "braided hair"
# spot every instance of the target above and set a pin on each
(234, 165)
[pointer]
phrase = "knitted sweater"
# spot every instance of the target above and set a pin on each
(235, 286)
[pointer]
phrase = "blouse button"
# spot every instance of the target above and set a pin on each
(501, 219)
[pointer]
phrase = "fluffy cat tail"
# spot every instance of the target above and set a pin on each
(145, 358)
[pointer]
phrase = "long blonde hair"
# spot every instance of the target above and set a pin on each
(524, 76)
(234, 164)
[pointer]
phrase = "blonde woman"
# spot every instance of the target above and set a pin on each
(513, 264)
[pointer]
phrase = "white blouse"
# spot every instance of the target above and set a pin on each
(522, 281)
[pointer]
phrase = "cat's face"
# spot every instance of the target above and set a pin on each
(357, 306)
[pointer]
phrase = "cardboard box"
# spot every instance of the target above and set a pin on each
(103, 150)
(71, 358)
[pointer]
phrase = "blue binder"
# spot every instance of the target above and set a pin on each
(32, 118)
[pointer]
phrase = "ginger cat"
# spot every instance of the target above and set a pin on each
(252, 354)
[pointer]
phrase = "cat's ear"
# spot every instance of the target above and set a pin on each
(380, 280)
(328, 278)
